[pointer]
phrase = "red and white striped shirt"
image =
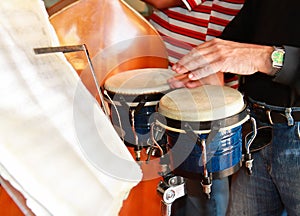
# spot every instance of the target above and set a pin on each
(183, 28)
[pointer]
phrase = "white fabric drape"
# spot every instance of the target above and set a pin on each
(46, 126)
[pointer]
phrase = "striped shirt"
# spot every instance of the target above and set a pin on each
(183, 28)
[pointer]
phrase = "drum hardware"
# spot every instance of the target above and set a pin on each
(156, 142)
(206, 181)
(132, 113)
(137, 148)
(171, 188)
(247, 158)
(206, 184)
(122, 135)
(76, 48)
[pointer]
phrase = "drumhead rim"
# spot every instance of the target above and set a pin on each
(137, 90)
(134, 99)
(242, 117)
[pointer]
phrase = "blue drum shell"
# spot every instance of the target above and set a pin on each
(224, 153)
(142, 122)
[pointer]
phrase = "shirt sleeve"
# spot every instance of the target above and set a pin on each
(290, 72)
(191, 4)
(240, 27)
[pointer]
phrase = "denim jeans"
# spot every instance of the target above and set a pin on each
(275, 182)
(196, 202)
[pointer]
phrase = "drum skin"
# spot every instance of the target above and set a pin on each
(118, 39)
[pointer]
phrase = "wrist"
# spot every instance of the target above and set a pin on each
(277, 59)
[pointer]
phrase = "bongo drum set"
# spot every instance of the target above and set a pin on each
(198, 130)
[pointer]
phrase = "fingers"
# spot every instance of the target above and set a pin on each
(198, 57)
(178, 81)
(194, 84)
(193, 60)
(178, 68)
(174, 83)
(202, 72)
(183, 80)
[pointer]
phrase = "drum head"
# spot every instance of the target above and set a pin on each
(140, 81)
(205, 103)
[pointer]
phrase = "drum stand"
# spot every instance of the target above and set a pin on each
(171, 188)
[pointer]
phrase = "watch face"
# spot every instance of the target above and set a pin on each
(277, 57)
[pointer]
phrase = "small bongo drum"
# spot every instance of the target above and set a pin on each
(203, 129)
(133, 96)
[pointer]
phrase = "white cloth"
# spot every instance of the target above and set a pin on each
(56, 145)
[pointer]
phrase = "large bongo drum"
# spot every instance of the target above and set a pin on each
(133, 96)
(203, 129)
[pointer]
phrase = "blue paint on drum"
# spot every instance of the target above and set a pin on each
(225, 151)
(141, 121)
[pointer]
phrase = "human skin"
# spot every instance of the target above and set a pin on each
(218, 55)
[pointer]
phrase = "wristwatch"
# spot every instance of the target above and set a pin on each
(277, 57)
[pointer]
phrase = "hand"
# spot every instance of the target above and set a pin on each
(182, 80)
(219, 55)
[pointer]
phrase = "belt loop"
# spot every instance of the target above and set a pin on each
(268, 112)
(289, 117)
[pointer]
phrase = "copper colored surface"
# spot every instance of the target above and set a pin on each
(12, 202)
(117, 38)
